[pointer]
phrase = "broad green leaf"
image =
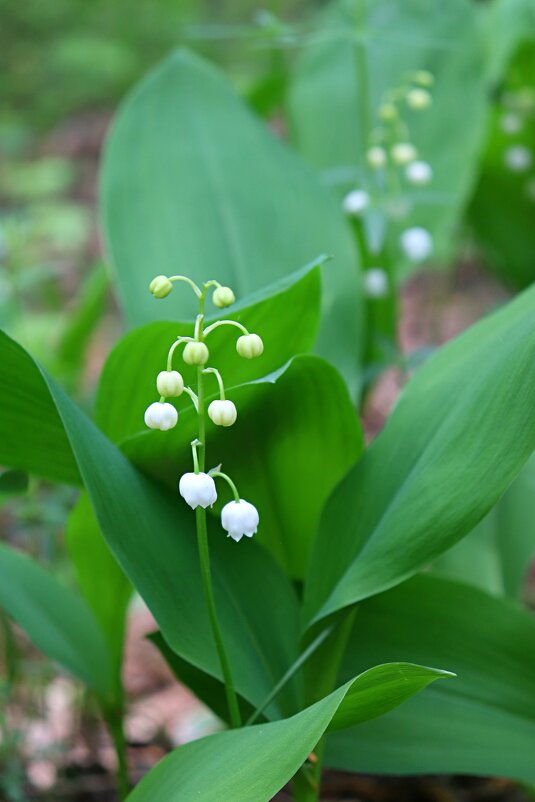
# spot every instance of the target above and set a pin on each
(253, 763)
(151, 534)
(363, 49)
(497, 554)
(286, 316)
(484, 721)
(13, 483)
(288, 468)
(193, 183)
(102, 582)
(32, 437)
(208, 689)
(82, 322)
(459, 435)
(56, 619)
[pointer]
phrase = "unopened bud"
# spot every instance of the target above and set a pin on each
(170, 383)
(160, 286)
(403, 153)
(222, 297)
(249, 346)
(195, 354)
(388, 112)
(418, 99)
(376, 157)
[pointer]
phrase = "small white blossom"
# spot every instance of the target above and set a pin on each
(222, 413)
(388, 112)
(419, 173)
(376, 157)
(197, 490)
(239, 518)
(170, 383)
(417, 243)
(355, 202)
(249, 346)
(518, 158)
(161, 415)
(511, 123)
(403, 153)
(376, 282)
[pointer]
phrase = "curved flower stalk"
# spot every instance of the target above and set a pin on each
(239, 518)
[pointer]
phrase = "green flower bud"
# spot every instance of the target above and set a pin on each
(223, 296)
(403, 153)
(418, 99)
(424, 78)
(249, 346)
(170, 383)
(388, 112)
(376, 157)
(160, 286)
(195, 354)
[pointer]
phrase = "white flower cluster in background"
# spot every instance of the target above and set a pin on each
(518, 157)
(394, 159)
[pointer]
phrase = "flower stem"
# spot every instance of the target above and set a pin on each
(115, 724)
(206, 572)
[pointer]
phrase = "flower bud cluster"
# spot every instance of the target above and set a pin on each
(239, 518)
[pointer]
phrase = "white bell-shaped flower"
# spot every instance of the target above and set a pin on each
(417, 243)
(376, 282)
(419, 173)
(197, 490)
(161, 415)
(355, 202)
(239, 518)
(418, 99)
(518, 158)
(222, 413)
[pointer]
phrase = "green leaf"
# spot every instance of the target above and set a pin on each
(288, 468)
(102, 582)
(193, 183)
(13, 483)
(32, 437)
(497, 554)
(208, 689)
(331, 98)
(458, 436)
(286, 315)
(151, 534)
(484, 722)
(56, 619)
(81, 324)
(253, 763)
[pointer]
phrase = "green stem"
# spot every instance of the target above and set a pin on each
(230, 483)
(115, 724)
(361, 63)
(191, 283)
(218, 323)
(219, 378)
(206, 572)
